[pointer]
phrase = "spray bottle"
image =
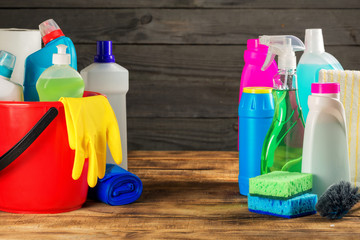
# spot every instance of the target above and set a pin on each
(252, 76)
(282, 148)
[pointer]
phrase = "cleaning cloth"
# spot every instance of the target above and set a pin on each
(350, 98)
(280, 184)
(90, 123)
(118, 187)
(294, 207)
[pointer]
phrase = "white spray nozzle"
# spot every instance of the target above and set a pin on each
(61, 57)
(285, 47)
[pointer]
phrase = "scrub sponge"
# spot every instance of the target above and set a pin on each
(295, 207)
(280, 185)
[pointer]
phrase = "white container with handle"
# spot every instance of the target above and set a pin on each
(325, 150)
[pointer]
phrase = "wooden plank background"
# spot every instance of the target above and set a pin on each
(185, 57)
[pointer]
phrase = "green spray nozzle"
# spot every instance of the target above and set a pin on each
(285, 47)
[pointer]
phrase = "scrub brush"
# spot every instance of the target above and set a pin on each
(337, 200)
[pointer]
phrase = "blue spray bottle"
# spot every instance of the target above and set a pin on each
(39, 61)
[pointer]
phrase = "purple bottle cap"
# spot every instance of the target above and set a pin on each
(325, 88)
(104, 52)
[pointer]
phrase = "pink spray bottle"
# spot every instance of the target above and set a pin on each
(252, 76)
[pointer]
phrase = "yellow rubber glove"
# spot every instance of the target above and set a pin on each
(90, 123)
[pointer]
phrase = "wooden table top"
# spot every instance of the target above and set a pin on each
(187, 195)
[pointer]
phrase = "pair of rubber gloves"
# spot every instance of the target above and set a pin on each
(91, 123)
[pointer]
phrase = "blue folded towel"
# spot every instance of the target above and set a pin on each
(118, 187)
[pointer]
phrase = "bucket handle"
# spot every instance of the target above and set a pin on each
(28, 139)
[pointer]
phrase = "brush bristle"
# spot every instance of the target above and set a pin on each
(337, 200)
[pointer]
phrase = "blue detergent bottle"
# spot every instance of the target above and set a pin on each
(311, 62)
(256, 111)
(39, 61)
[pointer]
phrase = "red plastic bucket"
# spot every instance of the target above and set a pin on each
(39, 180)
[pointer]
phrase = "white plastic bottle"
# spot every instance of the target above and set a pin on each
(311, 62)
(111, 79)
(325, 151)
(9, 91)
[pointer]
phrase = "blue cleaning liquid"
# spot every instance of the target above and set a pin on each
(308, 74)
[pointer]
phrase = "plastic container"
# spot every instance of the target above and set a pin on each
(111, 79)
(36, 63)
(60, 80)
(252, 76)
(9, 91)
(311, 62)
(282, 149)
(325, 152)
(256, 111)
(39, 180)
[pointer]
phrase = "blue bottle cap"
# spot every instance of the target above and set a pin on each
(104, 52)
(7, 63)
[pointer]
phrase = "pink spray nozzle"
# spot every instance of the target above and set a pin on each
(325, 88)
(49, 30)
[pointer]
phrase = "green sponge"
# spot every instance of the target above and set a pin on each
(280, 185)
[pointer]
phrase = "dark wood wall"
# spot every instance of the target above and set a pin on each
(185, 57)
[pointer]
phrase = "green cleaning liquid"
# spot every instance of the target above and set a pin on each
(52, 89)
(60, 80)
(282, 149)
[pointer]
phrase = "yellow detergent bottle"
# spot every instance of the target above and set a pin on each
(60, 80)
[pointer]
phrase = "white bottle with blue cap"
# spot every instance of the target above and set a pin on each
(9, 91)
(109, 78)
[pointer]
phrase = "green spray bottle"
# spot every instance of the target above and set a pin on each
(282, 148)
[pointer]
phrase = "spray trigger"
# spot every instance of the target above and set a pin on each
(269, 59)
(285, 47)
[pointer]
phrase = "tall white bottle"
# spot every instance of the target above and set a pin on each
(325, 150)
(111, 79)
(9, 91)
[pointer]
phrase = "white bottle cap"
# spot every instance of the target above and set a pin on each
(314, 41)
(61, 57)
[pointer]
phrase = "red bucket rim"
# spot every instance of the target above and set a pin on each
(44, 104)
